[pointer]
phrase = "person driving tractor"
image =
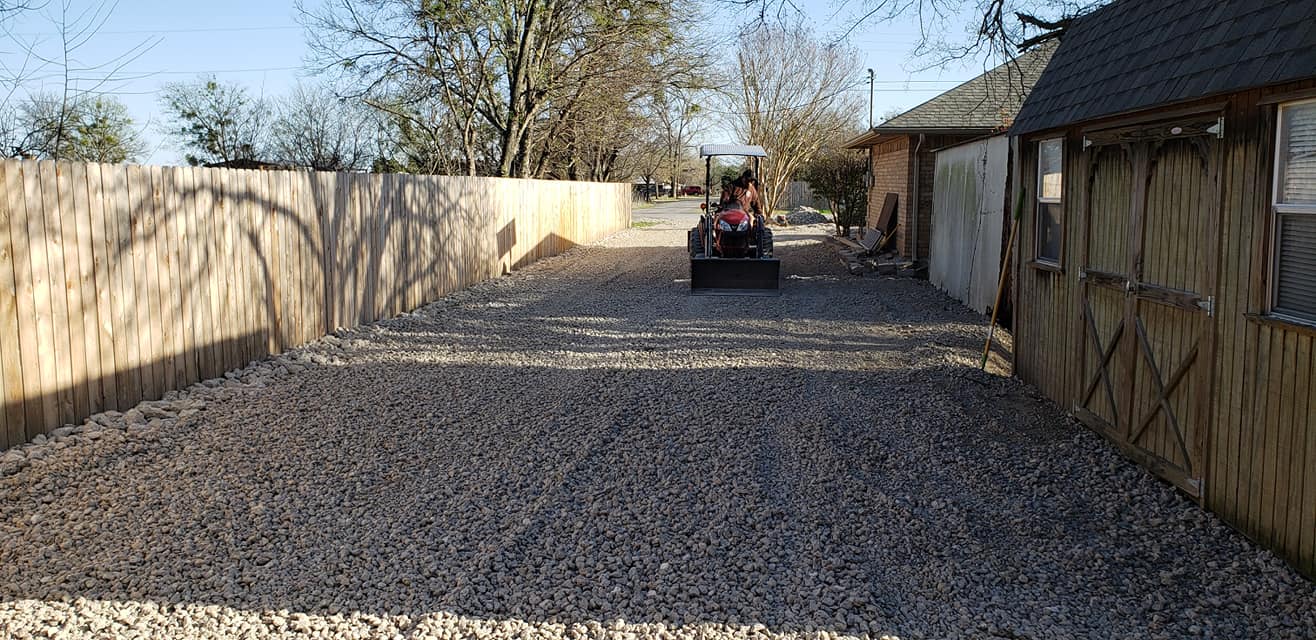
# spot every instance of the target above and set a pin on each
(731, 246)
(744, 191)
(741, 193)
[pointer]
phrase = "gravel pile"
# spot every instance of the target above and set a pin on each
(581, 450)
(806, 215)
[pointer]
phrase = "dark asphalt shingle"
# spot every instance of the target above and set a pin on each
(988, 101)
(1138, 54)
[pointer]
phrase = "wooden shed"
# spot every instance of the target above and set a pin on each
(902, 149)
(1166, 293)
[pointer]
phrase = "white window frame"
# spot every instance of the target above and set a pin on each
(1039, 200)
(1278, 209)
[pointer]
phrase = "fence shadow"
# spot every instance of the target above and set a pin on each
(399, 508)
(119, 283)
(591, 470)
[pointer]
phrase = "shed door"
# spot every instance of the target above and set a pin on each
(1148, 285)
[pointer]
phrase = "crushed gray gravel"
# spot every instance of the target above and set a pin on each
(806, 215)
(582, 450)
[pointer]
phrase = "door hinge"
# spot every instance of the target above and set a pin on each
(1218, 128)
(1209, 305)
(1086, 142)
(1082, 274)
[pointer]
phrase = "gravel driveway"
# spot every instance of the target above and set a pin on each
(582, 450)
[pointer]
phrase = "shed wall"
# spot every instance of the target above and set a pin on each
(1260, 420)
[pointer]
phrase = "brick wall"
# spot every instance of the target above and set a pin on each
(890, 174)
(893, 168)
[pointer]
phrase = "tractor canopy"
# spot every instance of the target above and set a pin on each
(751, 150)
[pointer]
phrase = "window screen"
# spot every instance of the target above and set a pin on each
(1295, 282)
(1295, 213)
(1049, 162)
(1298, 155)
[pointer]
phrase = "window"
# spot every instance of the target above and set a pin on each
(1050, 178)
(1294, 242)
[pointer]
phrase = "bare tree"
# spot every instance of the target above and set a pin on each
(417, 135)
(318, 129)
(1001, 28)
(794, 99)
(215, 122)
(643, 158)
(499, 67)
(84, 85)
(680, 118)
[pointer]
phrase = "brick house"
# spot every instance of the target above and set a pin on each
(901, 150)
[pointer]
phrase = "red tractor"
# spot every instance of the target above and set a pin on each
(731, 249)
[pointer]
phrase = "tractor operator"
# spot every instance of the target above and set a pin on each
(744, 191)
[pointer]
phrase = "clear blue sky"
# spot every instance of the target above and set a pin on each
(902, 81)
(260, 44)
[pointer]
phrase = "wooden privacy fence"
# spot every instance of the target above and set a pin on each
(120, 283)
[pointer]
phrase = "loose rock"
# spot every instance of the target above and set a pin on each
(582, 450)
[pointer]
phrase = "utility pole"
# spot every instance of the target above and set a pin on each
(870, 98)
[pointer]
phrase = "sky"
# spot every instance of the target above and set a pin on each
(261, 45)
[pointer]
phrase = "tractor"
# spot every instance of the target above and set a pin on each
(730, 248)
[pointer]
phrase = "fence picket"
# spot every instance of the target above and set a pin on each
(120, 283)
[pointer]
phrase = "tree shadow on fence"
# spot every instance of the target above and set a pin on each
(179, 274)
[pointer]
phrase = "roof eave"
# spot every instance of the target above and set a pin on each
(876, 134)
(905, 131)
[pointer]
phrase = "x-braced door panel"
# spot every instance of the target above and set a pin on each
(1103, 399)
(1173, 302)
(1151, 255)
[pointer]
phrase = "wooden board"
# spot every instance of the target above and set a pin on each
(14, 414)
(119, 283)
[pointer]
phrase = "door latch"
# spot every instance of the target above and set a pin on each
(1209, 305)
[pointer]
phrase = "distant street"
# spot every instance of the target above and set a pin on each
(679, 213)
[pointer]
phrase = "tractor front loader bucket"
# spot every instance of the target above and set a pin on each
(735, 276)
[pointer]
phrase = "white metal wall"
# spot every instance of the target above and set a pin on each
(968, 216)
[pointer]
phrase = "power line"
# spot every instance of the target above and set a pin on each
(849, 87)
(919, 81)
(126, 75)
(164, 72)
(137, 32)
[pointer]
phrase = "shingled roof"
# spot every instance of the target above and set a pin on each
(984, 104)
(1137, 54)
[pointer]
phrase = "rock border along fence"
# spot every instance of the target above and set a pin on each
(119, 283)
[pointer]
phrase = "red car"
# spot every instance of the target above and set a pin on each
(692, 190)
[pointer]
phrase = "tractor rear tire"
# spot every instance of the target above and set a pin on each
(765, 242)
(696, 243)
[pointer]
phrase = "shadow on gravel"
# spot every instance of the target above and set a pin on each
(608, 506)
(503, 493)
(826, 461)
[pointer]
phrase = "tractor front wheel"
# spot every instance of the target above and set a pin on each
(696, 243)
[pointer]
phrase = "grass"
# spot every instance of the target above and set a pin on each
(644, 224)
